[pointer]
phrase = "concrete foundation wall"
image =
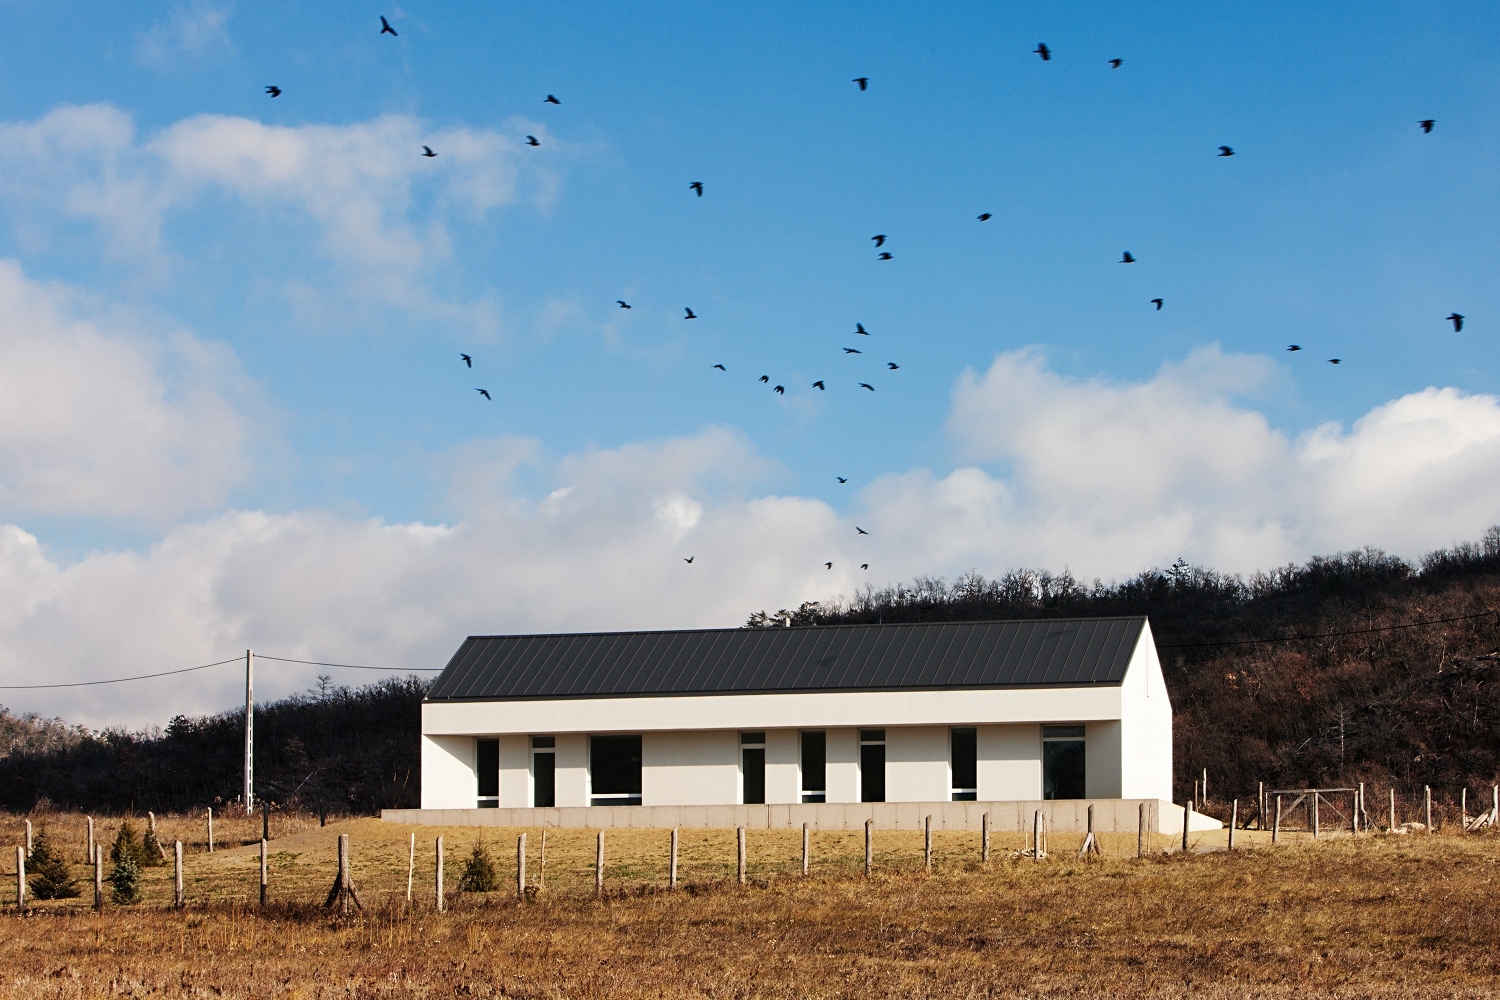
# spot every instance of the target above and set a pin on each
(1110, 816)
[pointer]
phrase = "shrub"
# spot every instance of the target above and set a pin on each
(48, 872)
(125, 880)
(480, 873)
(151, 850)
(128, 844)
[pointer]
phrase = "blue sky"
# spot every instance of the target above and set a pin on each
(297, 317)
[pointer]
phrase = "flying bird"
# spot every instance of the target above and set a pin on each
(859, 328)
(467, 360)
(690, 313)
(1334, 361)
(1427, 124)
(622, 303)
(863, 81)
(892, 365)
(721, 368)
(841, 479)
(879, 239)
(866, 385)
(1042, 50)
(1226, 151)
(864, 565)
(689, 560)
(820, 386)
(1127, 259)
(1294, 347)
(781, 389)
(697, 186)
(862, 531)
(385, 27)
(885, 256)
(1457, 319)
(828, 565)
(551, 100)
(531, 141)
(427, 152)
(853, 350)
(765, 378)
(1115, 63)
(985, 217)
(485, 393)
(274, 91)
(1157, 302)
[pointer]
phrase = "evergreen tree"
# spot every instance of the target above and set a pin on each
(125, 880)
(128, 845)
(48, 872)
(151, 850)
(480, 873)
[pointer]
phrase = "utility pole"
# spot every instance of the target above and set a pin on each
(249, 733)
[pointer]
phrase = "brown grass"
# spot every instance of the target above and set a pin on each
(1381, 916)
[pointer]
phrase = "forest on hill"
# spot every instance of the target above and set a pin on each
(1354, 667)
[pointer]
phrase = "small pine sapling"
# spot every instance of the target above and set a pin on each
(480, 873)
(48, 872)
(125, 880)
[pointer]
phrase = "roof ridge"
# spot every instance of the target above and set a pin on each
(787, 628)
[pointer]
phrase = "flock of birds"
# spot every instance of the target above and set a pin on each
(879, 239)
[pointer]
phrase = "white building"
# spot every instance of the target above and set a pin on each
(987, 712)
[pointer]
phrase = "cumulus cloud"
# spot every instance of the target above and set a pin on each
(102, 415)
(190, 30)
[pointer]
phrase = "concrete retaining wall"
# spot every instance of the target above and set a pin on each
(1110, 816)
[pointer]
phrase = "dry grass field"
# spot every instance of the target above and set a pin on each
(1377, 916)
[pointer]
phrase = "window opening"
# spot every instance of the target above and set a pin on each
(487, 770)
(1062, 762)
(872, 765)
(615, 770)
(544, 771)
(814, 766)
(753, 767)
(964, 750)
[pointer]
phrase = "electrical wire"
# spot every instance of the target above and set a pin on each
(115, 680)
(347, 666)
(1323, 635)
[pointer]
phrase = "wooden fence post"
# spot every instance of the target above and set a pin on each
(541, 863)
(927, 843)
(806, 848)
(599, 865)
(179, 898)
(210, 829)
(1463, 809)
(411, 866)
(265, 820)
(672, 868)
(161, 848)
(1427, 805)
(869, 847)
(21, 879)
(1359, 805)
(1315, 798)
(90, 841)
(1276, 824)
(1205, 786)
(1187, 823)
(1260, 806)
(98, 878)
(1140, 831)
(740, 846)
(1392, 827)
(439, 879)
(521, 866)
(265, 875)
(1036, 835)
(343, 886)
(1234, 818)
(984, 838)
(28, 838)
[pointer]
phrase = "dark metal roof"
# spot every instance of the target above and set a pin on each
(1062, 652)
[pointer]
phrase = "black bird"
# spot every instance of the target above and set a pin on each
(622, 303)
(531, 141)
(853, 350)
(820, 386)
(467, 360)
(1294, 347)
(1427, 124)
(1115, 63)
(385, 27)
(485, 393)
(862, 531)
(721, 368)
(892, 365)
(765, 378)
(885, 256)
(879, 239)
(985, 217)
(1333, 361)
(1458, 321)
(689, 560)
(859, 328)
(1158, 304)
(697, 186)
(1127, 259)
(427, 152)
(551, 100)
(690, 313)
(829, 565)
(1042, 50)
(866, 385)
(1226, 151)
(863, 81)
(841, 479)
(274, 91)
(780, 389)
(864, 565)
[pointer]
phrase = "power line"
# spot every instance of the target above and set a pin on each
(204, 666)
(348, 666)
(1323, 635)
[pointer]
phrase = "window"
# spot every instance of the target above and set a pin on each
(963, 745)
(814, 766)
(615, 770)
(487, 770)
(872, 765)
(753, 767)
(1062, 762)
(544, 771)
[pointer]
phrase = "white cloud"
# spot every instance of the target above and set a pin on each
(192, 30)
(1102, 476)
(99, 417)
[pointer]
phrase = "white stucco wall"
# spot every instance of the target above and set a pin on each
(916, 764)
(696, 768)
(1145, 726)
(783, 766)
(572, 769)
(448, 772)
(842, 756)
(515, 771)
(1010, 762)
